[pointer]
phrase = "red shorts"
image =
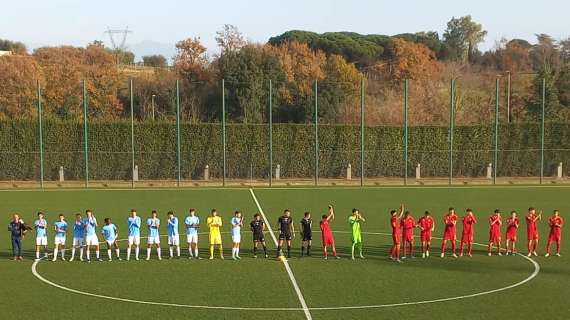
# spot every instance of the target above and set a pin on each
(396, 238)
(467, 237)
(494, 236)
(328, 240)
(409, 235)
(511, 236)
(425, 236)
(532, 235)
(449, 235)
(555, 236)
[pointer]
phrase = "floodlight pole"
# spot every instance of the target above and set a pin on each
(223, 133)
(132, 105)
(40, 135)
(270, 133)
(362, 121)
(451, 129)
(496, 153)
(85, 138)
(178, 168)
(316, 133)
(542, 130)
(406, 87)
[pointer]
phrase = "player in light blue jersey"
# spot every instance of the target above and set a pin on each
(173, 235)
(134, 223)
(41, 235)
(78, 237)
(60, 227)
(110, 234)
(153, 224)
(192, 223)
(90, 223)
(237, 223)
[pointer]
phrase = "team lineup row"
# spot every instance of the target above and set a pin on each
(402, 223)
(85, 234)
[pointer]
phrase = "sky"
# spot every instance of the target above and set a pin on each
(157, 25)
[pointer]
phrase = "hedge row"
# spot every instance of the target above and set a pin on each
(109, 145)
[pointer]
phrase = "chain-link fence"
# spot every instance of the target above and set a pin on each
(475, 130)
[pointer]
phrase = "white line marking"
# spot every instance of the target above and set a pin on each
(37, 275)
(411, 303)
(285, 262)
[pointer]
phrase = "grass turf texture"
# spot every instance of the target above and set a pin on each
(264, 283)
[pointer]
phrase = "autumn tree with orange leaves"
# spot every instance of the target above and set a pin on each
(412, 61)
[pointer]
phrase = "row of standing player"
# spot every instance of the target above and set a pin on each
(85, 235)
(403, 224)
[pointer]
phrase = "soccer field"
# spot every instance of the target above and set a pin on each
(480, 287)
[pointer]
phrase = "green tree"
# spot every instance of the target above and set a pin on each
(552, 102)
(155, 60)
(462, 37)
(246, 74)
(563, 86)
(15, 46)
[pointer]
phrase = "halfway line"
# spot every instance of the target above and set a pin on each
(285, 262)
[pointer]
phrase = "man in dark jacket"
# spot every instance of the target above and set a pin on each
(17, 230)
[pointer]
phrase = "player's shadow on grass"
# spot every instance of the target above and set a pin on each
(26, 254)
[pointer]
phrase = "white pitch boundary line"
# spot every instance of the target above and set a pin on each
(285, 262)
(529, 278)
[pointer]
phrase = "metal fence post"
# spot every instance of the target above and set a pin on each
(178, 170)
(85, 138)
(451, 129)
(131, 96)
(496, 152)
(223, 133)
(542, 130)
(406, 85)
(270, 133)
(316, 133)
(40, 135)
(508, 97)
(362, 121)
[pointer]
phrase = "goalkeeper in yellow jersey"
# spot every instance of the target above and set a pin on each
(214, 223)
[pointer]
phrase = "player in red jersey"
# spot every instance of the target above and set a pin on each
(555, 223)
(395, 217)
(327, 235)
(408, 225)
(427, 226)
(467, 233)
(495, 223)
(531, 230)
(511, 235)
(449, 233)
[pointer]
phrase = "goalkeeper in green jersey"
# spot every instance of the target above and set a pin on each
(354, 220)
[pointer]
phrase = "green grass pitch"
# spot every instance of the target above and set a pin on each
(330, 288)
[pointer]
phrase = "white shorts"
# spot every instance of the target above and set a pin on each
(136, 240)
(41, 241)
(153, 240)
(92, 240)
(236, 238)
(78, 242)
(192, 238)
(110, 242)
(59, 240)
(174, 240)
